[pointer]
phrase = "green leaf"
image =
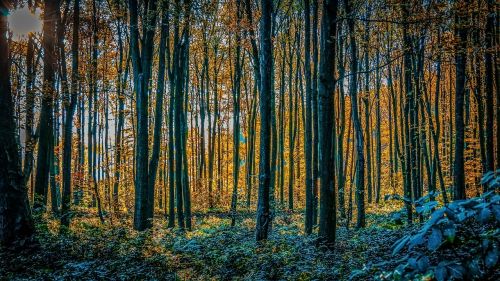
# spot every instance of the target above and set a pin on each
(400, 244)
(436, 215)
(423, 264)
(491, 258)
(450, 233)
(456, 270)
(416, 240)
(435, 239)
(474, 269)
(484, 215)
(487, 177)
(496, 211)
(440, 273)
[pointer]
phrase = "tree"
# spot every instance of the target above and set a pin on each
(358, 131)
(142, 64)
(409, 128)
(263, 216)
(236, 113)
(30, 105)
(46, 115)
(68, 127)
(328, 210)
(15, 214)
(460, 69)
(308, 141)
(488, 61)
(155, 156)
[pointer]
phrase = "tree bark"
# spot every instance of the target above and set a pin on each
(46, 115)
(460, 69)
(263, 216)
(68, 126)
(326, 130)
(15, 214)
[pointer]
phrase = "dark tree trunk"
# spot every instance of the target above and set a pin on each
(30, 107)
(358, 131)
(121, 82)
(326, 130)
(253, 118)
(315, 112)
(366, 103)
(292, 115)
(308, 137)
(378, 141)
(142, 64)
(155, 157)
(15, 214)
(266, 102)
(490, 30)
(341, 124)
(46, 115)
(460, 69)
(68, 126)
(236, 114)
(171, 170)
(410, 157)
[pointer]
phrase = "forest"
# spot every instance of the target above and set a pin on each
(249, 140)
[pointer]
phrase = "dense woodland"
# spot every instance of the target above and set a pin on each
(249, 140)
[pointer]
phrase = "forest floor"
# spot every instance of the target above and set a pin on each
(212, 251)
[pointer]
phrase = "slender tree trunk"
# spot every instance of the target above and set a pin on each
(142, 64)
(315, 112)
(155, 157)
(460, 69)
(236, 114)
(263, 216)
(342, 118)
(366, 103)
(488, 56)
(46, 115)
(358, 131)
(378, 138)
(71, 103)
(308, 138)
(292, 115)
(30, 141)
(410, 157)
(326, 129)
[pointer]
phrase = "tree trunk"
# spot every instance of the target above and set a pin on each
(68, 126)
(263, 216)
(46, 115)
(358, 131)
(488, 56)
(155, 156)
(142, 64)
(308, 137)
(236, 114)
(460, 69)
(15, 214)
(326, 130)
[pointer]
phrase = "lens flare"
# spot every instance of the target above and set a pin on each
(22, 22)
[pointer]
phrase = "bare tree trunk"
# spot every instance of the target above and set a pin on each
(71, 103)
(263, 216)
(46, 115)
(353, 90)
(326, 128)
(460, 69)
(236, 114)
(15, 214)
(308, 134)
